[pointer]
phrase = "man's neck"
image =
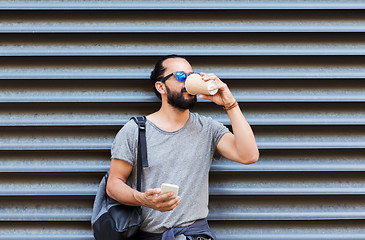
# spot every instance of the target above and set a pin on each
(169, 118)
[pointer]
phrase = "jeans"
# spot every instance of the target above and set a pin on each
(199, 230)
(182, 237)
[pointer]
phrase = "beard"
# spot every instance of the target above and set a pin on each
(176, 99)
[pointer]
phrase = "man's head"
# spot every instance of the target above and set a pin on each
(166, 83)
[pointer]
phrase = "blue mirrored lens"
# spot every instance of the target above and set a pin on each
(181, 76)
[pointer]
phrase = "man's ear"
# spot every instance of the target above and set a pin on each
(161, 88)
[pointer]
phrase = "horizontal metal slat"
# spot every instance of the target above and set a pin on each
(275, 117)
(286, 208)
(278, 137)
(250, 234)
(297, 161)
(227, 208)
(270, 161)
(246, 184)
(76, 192)
(309, 137)
(48, 185)
(263, 119)
(166, 21)
(285, 216)
(64, 91)
(273, 44)
(137, 68)
(178, 5)
(288, 230)
(287, 183)
(46, 230)
(233, 230)
(150, 97)
(45, 209)
(54, 162)
(114, 114)
(57, 139)
(294, 236)
(137, 90)
(52, 236)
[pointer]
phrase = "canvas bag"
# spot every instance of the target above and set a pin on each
(112, 220)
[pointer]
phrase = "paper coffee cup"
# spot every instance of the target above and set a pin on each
(194, 84)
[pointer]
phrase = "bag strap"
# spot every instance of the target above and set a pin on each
(142, 160)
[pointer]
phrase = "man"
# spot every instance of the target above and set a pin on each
(181, 146)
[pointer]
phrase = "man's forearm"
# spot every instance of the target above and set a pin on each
(123, 193)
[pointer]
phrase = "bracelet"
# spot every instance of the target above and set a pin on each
(235, 104)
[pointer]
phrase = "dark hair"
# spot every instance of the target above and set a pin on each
(159, 71)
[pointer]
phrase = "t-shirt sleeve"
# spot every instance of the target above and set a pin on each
(125, 143)
(218, 130)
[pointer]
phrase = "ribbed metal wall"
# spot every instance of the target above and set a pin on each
(73, 72)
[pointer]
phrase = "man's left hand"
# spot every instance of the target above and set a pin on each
(224, 96)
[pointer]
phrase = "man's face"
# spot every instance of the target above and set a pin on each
(177, 95)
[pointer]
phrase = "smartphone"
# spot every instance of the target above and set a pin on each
(166, 187)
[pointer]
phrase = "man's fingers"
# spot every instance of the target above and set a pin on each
(153, 191)
(166, 196)
(210, 76)
(169, 205)
(206, 97)
(175, 203)
(161, 202)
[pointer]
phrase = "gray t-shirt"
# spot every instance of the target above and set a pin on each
(182, 157)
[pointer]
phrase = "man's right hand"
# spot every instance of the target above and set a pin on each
(120, 191)
(153, 199)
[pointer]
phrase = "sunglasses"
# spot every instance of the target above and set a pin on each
(180, 76)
